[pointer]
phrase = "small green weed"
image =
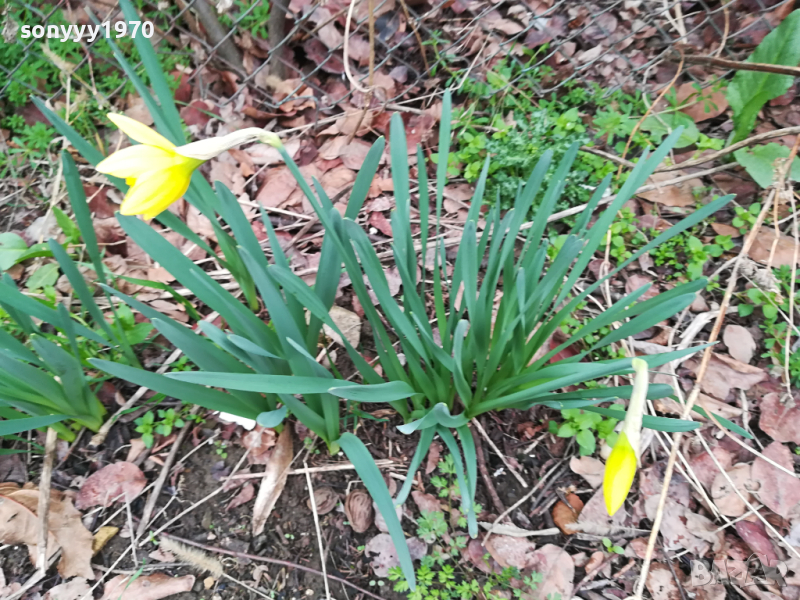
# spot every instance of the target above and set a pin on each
(584, 426)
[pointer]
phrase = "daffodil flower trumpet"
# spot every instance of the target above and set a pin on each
(158, 171)
(621, 464)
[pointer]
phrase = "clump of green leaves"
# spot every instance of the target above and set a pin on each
(150, 426)
(583, 426)
(249, 15)
(746, 218)
(625, 236)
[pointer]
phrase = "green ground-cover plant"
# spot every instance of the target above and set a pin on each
(774, 308)
(249, 15)
(440, 575)
(99, 81)
(484, 361)
(583, 426)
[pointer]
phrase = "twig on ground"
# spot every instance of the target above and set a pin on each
(274, 561)
(492, 445)
(381, 463)
(792, 284)
(162, 477)
(767, 135)
(726, 30)
(43, 510)
(522, 500)
(736, 65)
(487, 479)
(313, 501)
(701, 372)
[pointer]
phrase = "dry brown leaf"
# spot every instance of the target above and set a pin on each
(755, 536)
(246, 493)
(706, 105)
(333, 147)
(433, 457)
(426, 503)
(637, 281)
(679, 194)
(348, 322)
(564, 514)
(510, 551)
(740, 343)
(588, 467)
(278, 185)
(337, 180)
(785, 249)
(325, 499)
(384, 555)
(12, 469)
(380, 522)
(379, 221)
(354, 154)
(70, 590)
(724, 373)
(780, 421)
(661, 583)
(778, 490)
(19, 524)
(359, 511)
(683, 528)
(724, 495)
(723, 229)
(260, 442)
(146, 587)
(118, 482)
(558, 569)
(274, 480)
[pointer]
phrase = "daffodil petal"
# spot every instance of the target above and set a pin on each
(135, 160)
(154, 191)
(140, 132)
(619, 474)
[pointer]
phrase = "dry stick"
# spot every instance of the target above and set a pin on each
(44, 498)
(382, 463)
(724, 63)
(513, 471)
(487, 480)
(648, 111)
(519, 502)
(274, 561)
(732, 148)
(416, 34)
(725, 31)
(793, 282)
(162, 477)
(319, 533)
(695, 393)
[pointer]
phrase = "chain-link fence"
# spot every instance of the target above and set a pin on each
(320, 50)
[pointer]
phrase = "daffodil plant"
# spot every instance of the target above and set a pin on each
(158, 171)
(624, 458)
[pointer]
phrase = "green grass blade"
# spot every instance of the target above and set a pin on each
(27, 424)
(425, 439)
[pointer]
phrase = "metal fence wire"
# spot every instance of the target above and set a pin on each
(420, 46)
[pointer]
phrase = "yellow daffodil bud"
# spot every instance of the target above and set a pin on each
(621, 464)
(158, 171)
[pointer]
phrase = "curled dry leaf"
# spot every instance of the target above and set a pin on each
(588, 467)
(146, 587)
(661, 583)
(19, 524)
(558, 569)
(433, 457)
(119, 482)
(778, 420)
(384, 555)
(683, 528)
(246, 493)
(778, 490)
(724, 373)
(510, 551)
(274, 480)
(426, 503)
(784, 250)
(564, 514)
(260, 442)
(359, 511)
(724, 495)
(70, 590)
(740, 343)
(679, 194)
(325, 499)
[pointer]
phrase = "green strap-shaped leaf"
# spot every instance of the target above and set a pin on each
(27, 424)
(425, 439)
(369, 473)
(439, 415)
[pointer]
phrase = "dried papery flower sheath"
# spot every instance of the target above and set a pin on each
(159, 172)
(621, 464)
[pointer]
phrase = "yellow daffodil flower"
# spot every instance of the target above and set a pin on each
(621, 464)
(157, 171)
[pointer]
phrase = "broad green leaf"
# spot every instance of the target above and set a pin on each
(661, 125)
(12, 247)
(760, 163)
(45, 275)
(749, 91)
